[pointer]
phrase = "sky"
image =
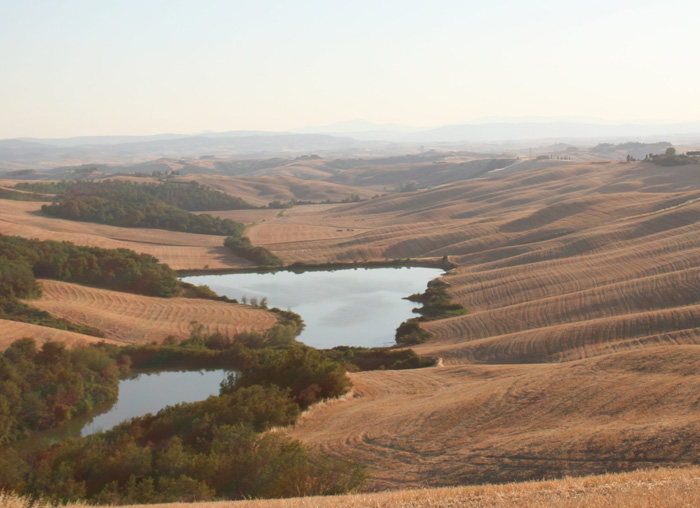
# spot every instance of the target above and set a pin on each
(87, 67)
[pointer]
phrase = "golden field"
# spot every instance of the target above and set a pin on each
(182, 251)
(657, 488)
(14, 330)
(137, 319)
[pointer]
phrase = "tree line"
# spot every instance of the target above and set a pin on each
(148, 205)
(118, 269)
(22, 261)
(189, 196)
(671, 158)
(146, 213)
(241, 246)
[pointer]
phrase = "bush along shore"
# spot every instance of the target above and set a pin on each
(300, 267)
(437, 304)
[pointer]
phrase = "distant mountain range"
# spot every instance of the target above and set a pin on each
(24, 153)
(350, 138)
(506, 130)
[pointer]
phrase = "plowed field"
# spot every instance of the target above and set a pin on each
(13, 330)
(136, 319)
(181, 251)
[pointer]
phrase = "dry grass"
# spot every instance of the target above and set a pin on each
(137, 319)
(660, 488)
(585, 262)
(11, 331)
(182, 251)
(482, 423)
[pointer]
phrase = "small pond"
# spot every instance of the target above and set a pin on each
(149, 393)
(145, 393)
(353, 307)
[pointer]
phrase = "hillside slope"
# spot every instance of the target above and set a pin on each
(661, 488)
(136, 319)
(580, 350)
(581, 347)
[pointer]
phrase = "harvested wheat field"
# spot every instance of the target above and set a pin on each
(583, 289)
(181, 251)
(136, 319)
(481, 424)
(261, 190)
(655, 488)
(11, 331)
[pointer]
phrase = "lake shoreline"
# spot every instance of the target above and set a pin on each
(349, 305)
(442, 263)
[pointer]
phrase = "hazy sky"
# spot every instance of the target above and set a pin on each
(90, 67)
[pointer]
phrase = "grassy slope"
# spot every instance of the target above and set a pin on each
(13, 330)
(181, 251)
(130, 318)
(662, 488)
(587, 265)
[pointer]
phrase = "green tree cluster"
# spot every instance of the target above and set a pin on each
(120, 269)
(149, 213)
(147, 205)
(241, 246)
(670, 158)
(42, 388)
(409, 186)
(189, 196)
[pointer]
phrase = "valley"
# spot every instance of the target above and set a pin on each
(578, 354)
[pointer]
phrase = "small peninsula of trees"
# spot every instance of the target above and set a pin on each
(437, 304)
(42, 388)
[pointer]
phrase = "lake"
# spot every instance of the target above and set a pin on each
(353, 307)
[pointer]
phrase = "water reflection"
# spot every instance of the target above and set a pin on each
(149, 393)
(357, 307)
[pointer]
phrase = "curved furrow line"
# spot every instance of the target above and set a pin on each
(139, 319)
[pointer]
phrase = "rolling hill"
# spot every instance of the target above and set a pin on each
(580, 351)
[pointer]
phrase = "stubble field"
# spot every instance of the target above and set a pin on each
(580, 351)
(136, 319)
